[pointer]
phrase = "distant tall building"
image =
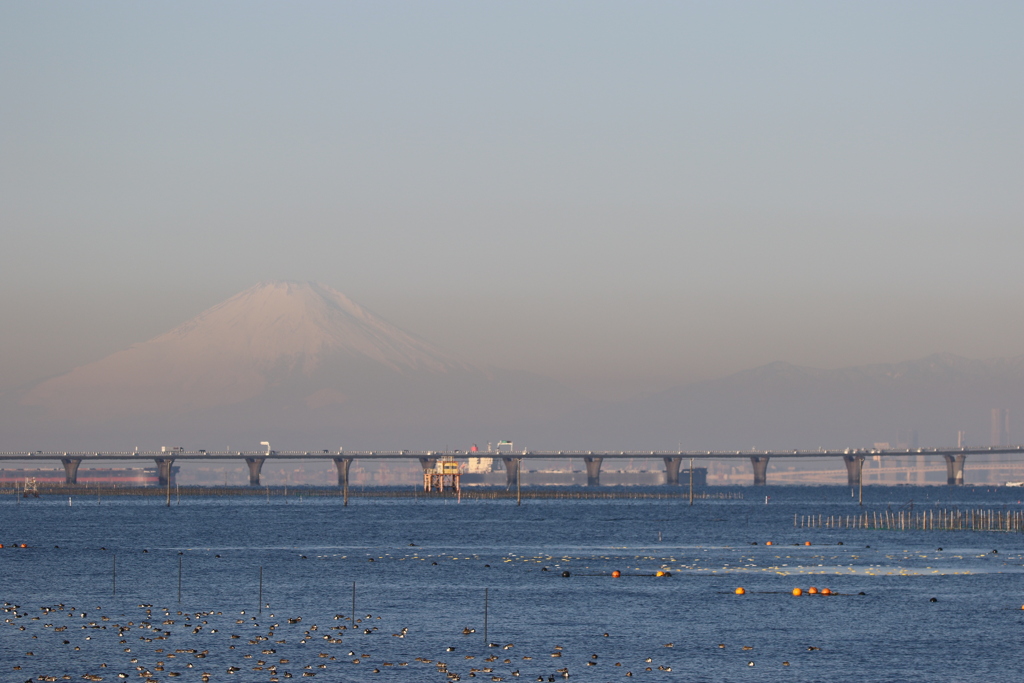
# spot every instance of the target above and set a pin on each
(907, 438)
(1000, 427)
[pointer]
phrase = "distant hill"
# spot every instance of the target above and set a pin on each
(303, 366)
(297, 362)
(781, 405)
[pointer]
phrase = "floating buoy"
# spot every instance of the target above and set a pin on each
(750, 664)
(566, 574)
(659, 573)
(933, 600)
(23, 545)
(767, 542)
(826, 591)
(798, 592)
(807, 542)
(812, 590)
(742, 591)
(616, 574)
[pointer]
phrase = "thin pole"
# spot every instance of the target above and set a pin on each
(261, 589)
(113, 575)
(691, 481)
(169, 490)
(345, 488)
(486, 597)
(519, 477)
(353, 616)
(179, 577)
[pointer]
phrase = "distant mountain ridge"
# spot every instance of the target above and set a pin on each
(235, 351)
(304, 365)
(782, 405)
(300, 360)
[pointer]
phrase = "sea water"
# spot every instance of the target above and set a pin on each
(99, 584)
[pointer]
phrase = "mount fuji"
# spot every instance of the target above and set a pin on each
(298, 362)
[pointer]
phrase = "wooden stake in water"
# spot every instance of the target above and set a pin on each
(179, 577)
(261, 589)
(169, 490)
(486, 596)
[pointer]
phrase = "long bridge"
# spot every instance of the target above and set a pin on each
(852, 458)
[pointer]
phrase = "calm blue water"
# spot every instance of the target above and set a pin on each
(432, 561)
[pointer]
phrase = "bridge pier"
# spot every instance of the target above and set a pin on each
(593, 464)
(760, 463)
(955, 468)
(672, 470)
(428, 464)
(342, 464)
(854, 465)
(511, 470)
(163, 468)
(255, 467)
(71, 469)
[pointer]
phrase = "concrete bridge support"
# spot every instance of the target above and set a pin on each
(163, 469)
(255, 467)
(955, 468)
(342, 464)
(854, 465)
(593, 464)
(760, 463)
(428, 464)
(71, 469)
(672, 470)
(511, 470)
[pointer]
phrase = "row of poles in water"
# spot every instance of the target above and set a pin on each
(926, 520)
(113, 587)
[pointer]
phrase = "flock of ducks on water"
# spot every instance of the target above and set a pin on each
(160, 644)
(164, 644)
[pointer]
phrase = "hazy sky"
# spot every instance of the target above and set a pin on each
(622, 195)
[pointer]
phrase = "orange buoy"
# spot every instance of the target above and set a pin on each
(23, 545)
(742, 591)
(798, 592)
(659, 573)
(826, 591)
(812, 590)
(767, 542)
(807, 542)
(616, 574)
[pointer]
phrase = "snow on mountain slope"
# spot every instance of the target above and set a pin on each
(304, 335)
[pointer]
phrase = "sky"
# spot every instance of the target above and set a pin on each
(623, 196)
